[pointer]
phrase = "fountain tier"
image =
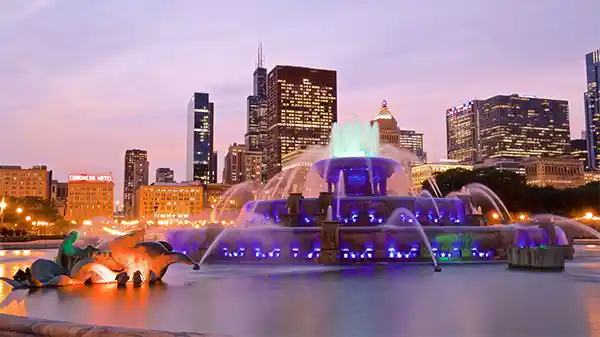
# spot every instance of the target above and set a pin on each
(362, 176)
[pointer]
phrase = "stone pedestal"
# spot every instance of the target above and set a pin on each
(330, 242)
(537, 258)
(324, 200)
(293, 209)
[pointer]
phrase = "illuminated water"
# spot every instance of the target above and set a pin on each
(354, 139)
(297, 301)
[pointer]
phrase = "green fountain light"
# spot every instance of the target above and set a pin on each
(354, 139)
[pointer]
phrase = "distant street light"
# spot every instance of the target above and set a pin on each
(19, 210)
(28, 218)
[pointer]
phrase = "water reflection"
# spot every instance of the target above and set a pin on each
(485, 300)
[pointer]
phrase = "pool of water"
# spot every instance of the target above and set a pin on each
(304, 301)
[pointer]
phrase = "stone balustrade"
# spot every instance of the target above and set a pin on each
(17, 326)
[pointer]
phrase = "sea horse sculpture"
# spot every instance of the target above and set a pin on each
(122, 259)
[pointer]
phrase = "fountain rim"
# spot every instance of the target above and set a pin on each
(324, 166)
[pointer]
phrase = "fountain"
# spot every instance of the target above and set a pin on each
(354, 218)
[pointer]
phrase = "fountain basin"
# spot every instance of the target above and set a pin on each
(357, 244)
(362, 176)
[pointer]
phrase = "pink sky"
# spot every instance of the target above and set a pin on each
(81, 82)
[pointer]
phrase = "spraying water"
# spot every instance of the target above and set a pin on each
(566, 222)
(434, 186)
(490, 195)
(479, 191)
(212, 246)
(426, 193)
(354, 139)
(393, 220)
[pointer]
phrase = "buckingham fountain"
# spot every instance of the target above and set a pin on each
(355, 219)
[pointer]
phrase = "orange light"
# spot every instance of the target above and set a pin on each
(495, 215)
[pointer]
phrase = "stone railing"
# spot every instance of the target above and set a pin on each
(23, 326)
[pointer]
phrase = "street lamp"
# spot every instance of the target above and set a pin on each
(19, 210)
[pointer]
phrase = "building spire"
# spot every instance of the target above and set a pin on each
(261, 58)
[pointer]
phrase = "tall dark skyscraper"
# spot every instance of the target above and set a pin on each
(257, 107)
(301, 109)
(201, 157)
(592, 108)
(507, 126)
(136, 175)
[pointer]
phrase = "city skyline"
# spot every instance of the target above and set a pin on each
(94, 96)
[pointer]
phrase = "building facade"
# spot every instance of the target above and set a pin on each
(233, 170)
(420, 173)
(170, 200)
(592, 108)
(136, 175)
(507, 126)
(242, 165)
(511, 164)
(390, 133)
(579, 151)
(523, 126)
(462, 133)
(554, 172)
(591, 176)
(59, 194)
(201, 158)
(301, 109)
(413, 141)
(90, 198)
(18, 182)
(165, 175)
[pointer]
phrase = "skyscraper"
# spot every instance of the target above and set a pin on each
(389, 133)
(165, 175)
(136, 175)
(592, 108)
(515, 126)
(413, 141)
(462, 133)
(201, 157)
(233, 170)
(257, 107)
(523, 126)
(579, 151)
(301, 109)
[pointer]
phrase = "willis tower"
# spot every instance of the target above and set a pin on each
(257, 108)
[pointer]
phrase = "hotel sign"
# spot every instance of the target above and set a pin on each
(90, 178)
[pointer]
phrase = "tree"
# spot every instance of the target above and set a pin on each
(35, 207)
(517, 196)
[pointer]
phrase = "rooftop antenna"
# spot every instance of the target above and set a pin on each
(261, 59)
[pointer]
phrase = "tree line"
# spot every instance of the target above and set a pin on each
(518, 196)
